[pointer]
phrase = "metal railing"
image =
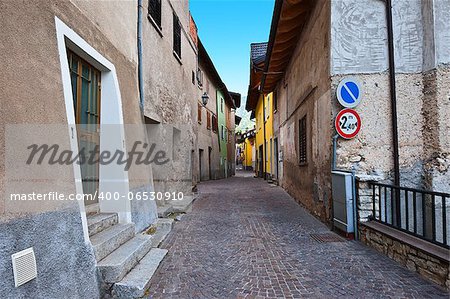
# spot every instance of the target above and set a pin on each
(417, 212)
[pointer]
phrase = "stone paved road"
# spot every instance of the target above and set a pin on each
(247, 239)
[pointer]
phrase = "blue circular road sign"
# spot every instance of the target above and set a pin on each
(349, 92)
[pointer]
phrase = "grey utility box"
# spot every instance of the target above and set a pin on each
(342, 201)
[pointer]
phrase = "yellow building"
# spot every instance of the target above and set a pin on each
(264, 135)
(248, 150)
(261, 106)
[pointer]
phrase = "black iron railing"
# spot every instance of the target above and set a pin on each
(417, 212)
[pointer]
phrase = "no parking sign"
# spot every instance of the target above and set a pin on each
(348, 123)
(349, 92)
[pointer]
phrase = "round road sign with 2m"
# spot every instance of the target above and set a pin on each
(349, 92)
(348, 123)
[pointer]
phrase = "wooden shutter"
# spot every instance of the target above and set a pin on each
(214, 123)
(199, 114)
(208, 120)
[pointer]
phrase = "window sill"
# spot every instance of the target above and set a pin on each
(177, 57)
(303, 164)
(158, 29)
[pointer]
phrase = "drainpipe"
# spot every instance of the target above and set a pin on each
(390, 32)
(140, 66)
(264, 132)
(355, 206)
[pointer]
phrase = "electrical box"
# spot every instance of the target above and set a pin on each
(342, 189)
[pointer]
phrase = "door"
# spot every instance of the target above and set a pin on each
(200, 158)
(86, 88)
(209, 163)
(261, 161)
(275, 145)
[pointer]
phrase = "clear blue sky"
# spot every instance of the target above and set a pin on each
(226, 28)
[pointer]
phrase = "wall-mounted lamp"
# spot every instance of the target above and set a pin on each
(205, 98)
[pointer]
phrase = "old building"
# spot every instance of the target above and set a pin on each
(73, 83)
(398, 56)
(261, 106)
(170, 51)
(208, 134)
(93, 85)
(247, 152)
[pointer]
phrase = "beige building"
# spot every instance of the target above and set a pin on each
(71, 87)
(399, 57)
(70, 79)
(170, 51)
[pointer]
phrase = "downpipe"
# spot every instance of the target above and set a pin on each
(394, 119)
(140, 64)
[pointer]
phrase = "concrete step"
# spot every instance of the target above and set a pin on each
(92, 209)
(110, 239)
(163, 228)
(183, 206)
(135, 283)
(116, 265)
(100, 222)
(163, 211)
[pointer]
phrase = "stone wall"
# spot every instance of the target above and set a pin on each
(417, 260)
(32, 92)
(171, 97)
(304, 91)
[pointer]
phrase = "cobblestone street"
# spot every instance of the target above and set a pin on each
(247, 239)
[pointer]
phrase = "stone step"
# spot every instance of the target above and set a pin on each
(110, 239)
(184, 205)
(116, 265)
(100, 222)
(163, 228)
(92, 209)
(135, 283)
(163, 211)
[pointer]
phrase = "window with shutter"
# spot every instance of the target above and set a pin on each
(208, 120)
(302, 142)
(200, 77)
(215, 125)
(154, 11)
(199, 118)
(275, 100)
(176, 36)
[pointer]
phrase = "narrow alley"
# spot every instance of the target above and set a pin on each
(260, 244)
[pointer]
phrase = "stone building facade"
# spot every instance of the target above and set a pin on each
(350, 40)
(40, 42)
(169, 83)
(74, 83)
(208, 132)
(333, 40)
